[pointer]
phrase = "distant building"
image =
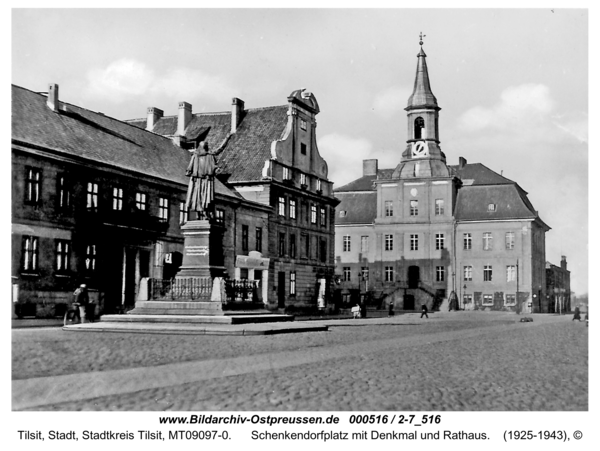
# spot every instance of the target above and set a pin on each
(100, 201)
(426, 232)
(558, 287)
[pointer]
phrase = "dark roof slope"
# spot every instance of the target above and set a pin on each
(359, 208)
(90, 135)
(366, 182)
(472, 203)
(480, 174)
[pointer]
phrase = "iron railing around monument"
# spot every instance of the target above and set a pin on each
(189, 288)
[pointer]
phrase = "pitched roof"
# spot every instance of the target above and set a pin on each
(86, 134)
(244, 157)
(479, 174)
(366, 182)
(472, 203)
(358, 208)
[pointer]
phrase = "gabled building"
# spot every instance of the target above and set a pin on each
(430, 233)
(272, 159)
(101, 201)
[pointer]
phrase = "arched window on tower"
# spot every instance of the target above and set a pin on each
(419, 126)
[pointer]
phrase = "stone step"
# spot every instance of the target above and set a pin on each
(236, 318)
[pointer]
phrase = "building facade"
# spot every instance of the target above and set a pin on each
(430, 233)
(558, 287)
(101, 201)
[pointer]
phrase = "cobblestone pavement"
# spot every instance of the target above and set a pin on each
(458, 361)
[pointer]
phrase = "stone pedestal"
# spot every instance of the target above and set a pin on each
(202, 251)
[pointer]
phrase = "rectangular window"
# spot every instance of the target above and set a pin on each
(414, 207)
(510, 299)
(92, 196)
(140, 201)
(183, 213)
(281, 244)
(303, 180)
(33, 184)
(303, 148)
(245, 238)
(467, 241)
(323, 249)
(63, 255)
(30, 253)
(346, 243)
(487, 273)
(510, 240)
(389, 208)
(323, 217)
(292, 245)
(439, 241)
(219, 216)
(467, 299)
(64, 192)
(468, 273)
(319, 189)
(364, 244)
(258, 235)
(286, 174)
(90, 258)
(117, 204)
(346, 274)
(491, 207)
(282, 206)
(302, 124)
(364, 272)
(313, 214)
(439, 207)
(307, 247)
(488, 299)
(487, 241)
(389, 273)
(389, 242)
(292, 208)
(292, 283)
(511, 273)
(163, 209)
(440, 273)
(414, 242)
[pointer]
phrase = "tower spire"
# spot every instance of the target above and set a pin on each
(422, 95)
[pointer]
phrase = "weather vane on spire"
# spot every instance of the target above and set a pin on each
(421, 36)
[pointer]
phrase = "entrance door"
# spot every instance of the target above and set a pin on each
(281, 289)
(258, 274)
(413, 277)
(111, 265)
(130, 282)
(409, 302)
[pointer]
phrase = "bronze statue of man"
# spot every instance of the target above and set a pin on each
(201, 171)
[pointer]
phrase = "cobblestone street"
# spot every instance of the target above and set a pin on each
(456, 361)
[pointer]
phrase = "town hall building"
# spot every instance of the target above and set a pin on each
(447, 236)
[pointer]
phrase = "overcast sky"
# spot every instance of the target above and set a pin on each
(512, 84)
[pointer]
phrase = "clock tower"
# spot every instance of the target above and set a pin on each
(423, 156)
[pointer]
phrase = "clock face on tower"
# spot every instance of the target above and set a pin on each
(420, 149)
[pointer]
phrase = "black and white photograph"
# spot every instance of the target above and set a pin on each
(243, 225)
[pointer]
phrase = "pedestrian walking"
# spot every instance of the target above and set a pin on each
(424, 311)
(577, 315)
(391, 309)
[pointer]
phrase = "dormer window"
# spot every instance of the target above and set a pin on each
(302, 124)
(491, 207)
(342, 213)
(419, 126)
(303, 180)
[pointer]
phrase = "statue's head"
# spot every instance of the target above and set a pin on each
(203, 147)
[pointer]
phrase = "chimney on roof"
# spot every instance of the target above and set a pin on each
(237, 110)
(52, 101)
(369, 167)
(154, 114)
(563, 262)
(462, 162)
(184, 117)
